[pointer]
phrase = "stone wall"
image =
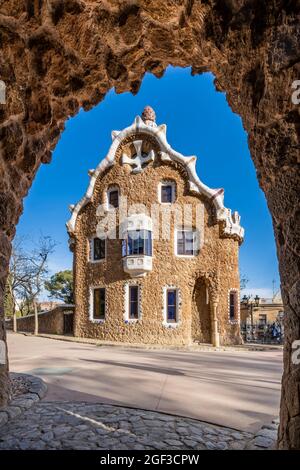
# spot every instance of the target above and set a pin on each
(51, 321)
(217, 262)
(73, 52)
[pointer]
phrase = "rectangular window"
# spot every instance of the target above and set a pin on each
(187, 242)
(98, 248)
(139, 242)
(171, 299)
(233, 305)
(166, 193)
(99, 304)
(133, 302)
(113, 198)
(262, 319)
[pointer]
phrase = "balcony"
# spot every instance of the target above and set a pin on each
(137, 265)
(137, 245)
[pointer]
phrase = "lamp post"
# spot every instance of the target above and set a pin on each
(250, 304)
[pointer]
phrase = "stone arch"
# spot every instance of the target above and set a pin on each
(60, 55)
(202, 310)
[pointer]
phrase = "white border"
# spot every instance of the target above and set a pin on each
(111, 188)
(178, 305)
(126, 302)
(166, 183)
(91, 251)
(185, 229)
(91, 305)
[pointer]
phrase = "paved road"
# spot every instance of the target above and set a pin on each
(239, 389)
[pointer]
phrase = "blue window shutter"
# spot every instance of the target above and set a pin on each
(124, 248)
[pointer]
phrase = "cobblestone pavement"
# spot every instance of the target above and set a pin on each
(62, 425)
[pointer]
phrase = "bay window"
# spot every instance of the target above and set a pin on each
(139, 242)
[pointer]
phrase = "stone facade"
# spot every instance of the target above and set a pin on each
(76, 51)
(51, 321)
(203, 282)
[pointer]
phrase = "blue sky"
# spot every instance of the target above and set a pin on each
(199, 122)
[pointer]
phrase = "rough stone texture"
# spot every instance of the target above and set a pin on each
(215, 268)
(61, 425)
(59, 55)
(51, 321)
(265, 438)
(19, 385)
(26, 391)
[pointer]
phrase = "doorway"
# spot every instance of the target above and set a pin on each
(201, 321)
(68, 323)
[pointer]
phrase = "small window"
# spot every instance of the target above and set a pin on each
(98, 249)
(233, 303)
(139, 242)
(167, 192)
(133, 302)
(187, 242)
(99, 304)
(262, 320)
(171, 307)
(113, 198)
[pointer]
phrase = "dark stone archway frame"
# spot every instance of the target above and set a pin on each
(59, 55)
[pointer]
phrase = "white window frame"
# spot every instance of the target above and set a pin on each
(91, 305)
(178, 310)
(238, 305)
(167, 183)
(185, 229)
(126, 302)
(108, 191)
(91, 251)
(139, 254)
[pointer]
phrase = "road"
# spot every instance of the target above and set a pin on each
(238, 389)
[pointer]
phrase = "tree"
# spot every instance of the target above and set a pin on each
(19, 275)
(37, 261)
(60, 286)
(243, 282)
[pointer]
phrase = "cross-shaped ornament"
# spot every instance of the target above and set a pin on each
(139, 159)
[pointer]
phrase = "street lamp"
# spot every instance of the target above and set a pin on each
(250, 303)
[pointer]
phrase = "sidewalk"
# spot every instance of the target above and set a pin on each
(192, 347)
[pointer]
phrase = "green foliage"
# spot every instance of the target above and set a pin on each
(60, 286)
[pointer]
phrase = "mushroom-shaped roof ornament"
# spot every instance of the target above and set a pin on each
(148, 116)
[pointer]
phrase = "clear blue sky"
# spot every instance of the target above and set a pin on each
(199, 122)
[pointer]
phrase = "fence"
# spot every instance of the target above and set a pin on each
(270, 333)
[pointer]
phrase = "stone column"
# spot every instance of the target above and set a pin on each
(5, 249)
(214, 323)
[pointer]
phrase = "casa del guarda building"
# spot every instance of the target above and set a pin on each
(155, 250)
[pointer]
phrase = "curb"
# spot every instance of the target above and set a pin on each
(265, 438)
(37, 390)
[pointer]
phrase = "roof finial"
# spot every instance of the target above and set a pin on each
(148, 116)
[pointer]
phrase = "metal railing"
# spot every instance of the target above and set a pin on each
(270, 333)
